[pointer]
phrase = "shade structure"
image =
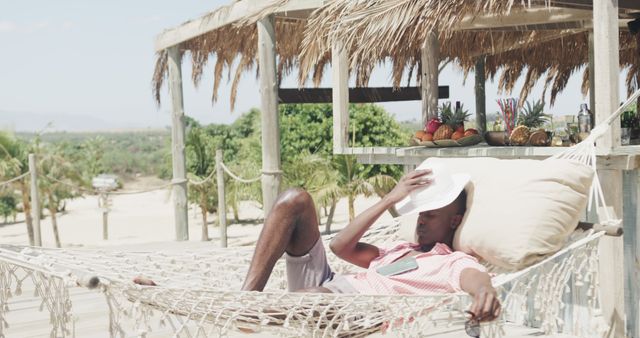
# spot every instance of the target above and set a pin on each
(554, 33)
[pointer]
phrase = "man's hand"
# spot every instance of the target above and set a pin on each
(485, 306)
(408, 183)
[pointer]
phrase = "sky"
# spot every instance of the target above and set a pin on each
(87, 65)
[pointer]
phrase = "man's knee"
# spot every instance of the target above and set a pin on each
(294, 200)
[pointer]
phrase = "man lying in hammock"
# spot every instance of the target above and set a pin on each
(426, 267)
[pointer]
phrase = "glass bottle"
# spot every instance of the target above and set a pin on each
(584, 119)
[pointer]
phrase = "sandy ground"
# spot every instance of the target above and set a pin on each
(149, 218)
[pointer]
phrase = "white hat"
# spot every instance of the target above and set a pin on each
(444, 189)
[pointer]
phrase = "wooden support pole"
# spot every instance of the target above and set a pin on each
(269, 108)
(481, 96)
(340, 97)
(177, 145)
(35, 200)
(104, 202)
(606, 79)
(611, 255)
(607, 67)
(430, 59)
(105, 225)
(222, 202)
(592, 78)
(631, 224)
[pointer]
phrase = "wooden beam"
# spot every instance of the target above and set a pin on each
(222, 17)
(340, 95)
(430, 59)
(588, 4)
(356, 95)
(271, 172)
(537, 27)
(481, 97)
(35, 201)
(417, 154)
(592, 77)
(606, 78)
(177, 145)
(500, 45)
(606, 69)
(631, 224)
(611, 257)
(524, 17)
(222, 202)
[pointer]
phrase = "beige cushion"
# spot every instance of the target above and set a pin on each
(518, 211)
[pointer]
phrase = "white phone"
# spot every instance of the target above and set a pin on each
(398, 267)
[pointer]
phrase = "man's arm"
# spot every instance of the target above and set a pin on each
(485, 306)
(346, 244)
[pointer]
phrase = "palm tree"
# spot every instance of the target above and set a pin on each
(9, 165)
(92, 151)
(57, 175)
(200, 166)
(315, 174)
(352, 184)
(14, 161)
(327, 181)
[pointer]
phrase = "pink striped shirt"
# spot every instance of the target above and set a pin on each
(438, 271)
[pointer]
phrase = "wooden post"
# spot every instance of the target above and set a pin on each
(340, 97)
(104, 204)
(592, 77)
(269, 107)
(481, 97)
(105, 225)
(430, 59)
(177, 145)
(222, 202)
(35, 200)
(631, 238)
(606, 80)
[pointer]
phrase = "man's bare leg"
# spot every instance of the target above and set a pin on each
(291, 226)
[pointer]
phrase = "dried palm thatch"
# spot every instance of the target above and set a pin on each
(556, 60)
(378, 31)
(231, 43)
(233, 47)
(375, 31)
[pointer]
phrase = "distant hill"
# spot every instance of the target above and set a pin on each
(33, 122)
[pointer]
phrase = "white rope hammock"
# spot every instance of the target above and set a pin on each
(198, 291)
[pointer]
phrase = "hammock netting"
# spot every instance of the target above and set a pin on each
(198, 293)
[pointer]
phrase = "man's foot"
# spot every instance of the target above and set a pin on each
(140, 280)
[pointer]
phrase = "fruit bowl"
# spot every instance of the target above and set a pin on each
(461, 142)
(500, 139)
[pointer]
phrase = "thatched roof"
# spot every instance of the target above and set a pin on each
(376, 31)
(395, 30)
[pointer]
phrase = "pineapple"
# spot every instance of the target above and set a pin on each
(520, 136)
(450, 121)
(531, 118)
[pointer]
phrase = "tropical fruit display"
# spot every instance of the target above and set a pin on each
(448, 126)
(452, 121)
(528, 131)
